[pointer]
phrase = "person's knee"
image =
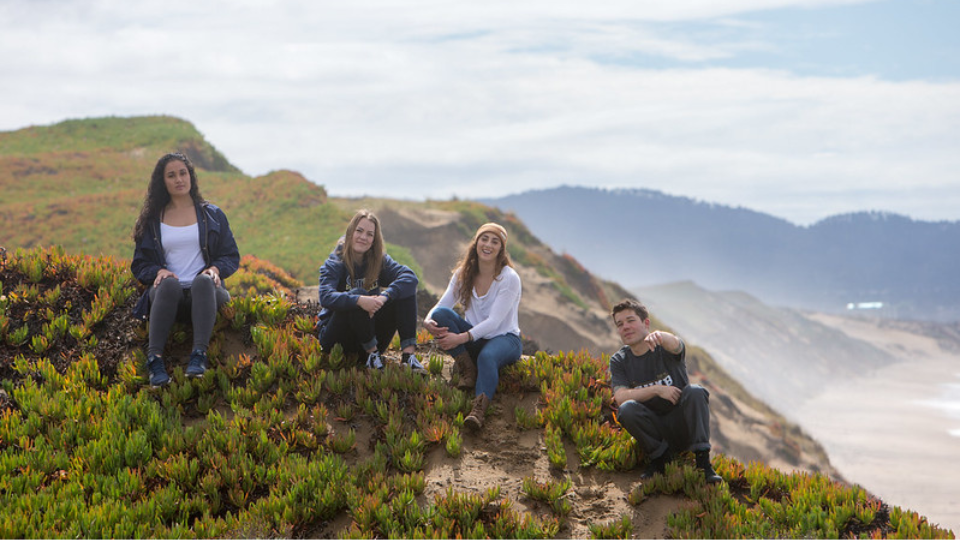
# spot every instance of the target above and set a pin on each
(169, 287)
(202, 280)
(696, 393)
(628, 408)
(638, 420)
(444, 314)
(632, 410)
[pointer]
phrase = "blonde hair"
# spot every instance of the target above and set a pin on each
(373, 257)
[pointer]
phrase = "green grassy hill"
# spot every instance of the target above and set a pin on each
(80, 184)
(282, 440)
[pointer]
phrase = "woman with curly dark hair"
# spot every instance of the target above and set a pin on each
(184, 251)
(487, 338)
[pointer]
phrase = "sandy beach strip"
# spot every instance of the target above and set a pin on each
(883, 432)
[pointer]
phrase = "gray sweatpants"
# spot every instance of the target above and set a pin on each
(685, 427)
(169, 300)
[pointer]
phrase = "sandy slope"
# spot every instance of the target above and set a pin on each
(878, 430)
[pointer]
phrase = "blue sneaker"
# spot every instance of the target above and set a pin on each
(158, 372)
(198, 364)
(374, 361)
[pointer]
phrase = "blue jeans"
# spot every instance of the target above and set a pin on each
(490, 354)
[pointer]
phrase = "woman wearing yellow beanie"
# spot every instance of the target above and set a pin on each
(487, 337)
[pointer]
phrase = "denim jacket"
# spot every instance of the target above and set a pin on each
(337, 293)
(217, 246)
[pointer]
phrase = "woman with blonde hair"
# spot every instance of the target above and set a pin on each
(367, 297)
(487, 337)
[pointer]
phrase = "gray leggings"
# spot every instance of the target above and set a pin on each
(169, 300)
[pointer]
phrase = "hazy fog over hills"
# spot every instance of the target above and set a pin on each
(778, 354)
(643, 238)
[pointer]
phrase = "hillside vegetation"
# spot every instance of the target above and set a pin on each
(281, 439)
(372, 454)
(80, 184)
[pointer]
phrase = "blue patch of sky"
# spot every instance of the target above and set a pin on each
(890, 39)
(458, 36)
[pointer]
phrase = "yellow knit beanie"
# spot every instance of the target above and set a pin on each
(492, 228)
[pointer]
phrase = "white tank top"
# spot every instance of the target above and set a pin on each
(181, 246)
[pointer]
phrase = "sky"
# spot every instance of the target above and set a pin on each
(801, 109)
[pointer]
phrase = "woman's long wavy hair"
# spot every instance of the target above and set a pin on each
(373, 256)
(469, 267)
(157, 196)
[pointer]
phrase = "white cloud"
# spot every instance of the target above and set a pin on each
(483, 99)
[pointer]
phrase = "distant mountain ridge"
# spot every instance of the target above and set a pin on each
(644, 237)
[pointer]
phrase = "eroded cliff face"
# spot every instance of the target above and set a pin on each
(436, 238)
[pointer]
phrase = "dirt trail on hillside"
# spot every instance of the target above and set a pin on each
(503, 455)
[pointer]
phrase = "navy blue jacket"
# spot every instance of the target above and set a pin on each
(336, 293)
(216, 244)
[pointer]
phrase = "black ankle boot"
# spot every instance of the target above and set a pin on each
(655, 466)
(703, 463)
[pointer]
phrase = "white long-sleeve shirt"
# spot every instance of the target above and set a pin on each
(493, 314)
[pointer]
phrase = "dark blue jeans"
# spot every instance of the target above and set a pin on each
(357, 332)
(490, 354)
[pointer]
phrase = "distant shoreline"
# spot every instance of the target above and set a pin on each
(948, 404)
(891, 433)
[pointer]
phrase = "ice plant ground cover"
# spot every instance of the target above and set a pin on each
(266, 445)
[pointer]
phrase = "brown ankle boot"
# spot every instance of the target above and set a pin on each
(474, 420)
(463, 363)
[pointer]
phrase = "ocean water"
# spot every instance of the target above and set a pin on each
(948, 403)
(897, 434)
